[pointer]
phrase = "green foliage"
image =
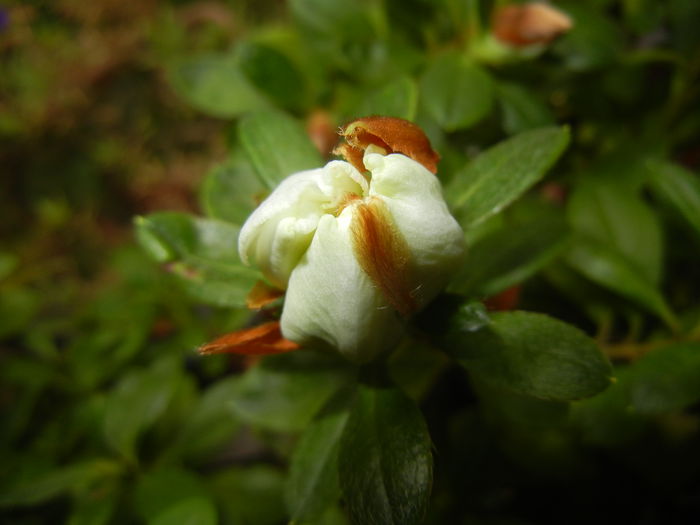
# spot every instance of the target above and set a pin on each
(455, 92)
(313, 483)
(201, 253)
(384, 459)
(215, 84)
(276, 146)
(501, 174)
(563, 364)
(528, 353)
(284, 392)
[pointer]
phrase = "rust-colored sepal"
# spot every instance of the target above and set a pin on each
(394, 135)
(261, 295)
(264, 339)
(527, 24)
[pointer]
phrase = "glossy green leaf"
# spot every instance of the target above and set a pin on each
(277, 146)
(530, 354)
(231, 191)
(385, 459)
(202, 253)
(680, 188)
(137, 402)
(215, 84)
(312, 485)
(608, 268)
(522, 109)
(504, 172)
(399, 98)
(284, 392)
(510, 255)
(455, 92)
(618, 218)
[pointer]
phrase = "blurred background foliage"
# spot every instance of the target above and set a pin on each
(111, 109)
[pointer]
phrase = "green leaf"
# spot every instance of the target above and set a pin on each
(137, 402)
(211, 423)
(510, 255)
(201, 253)
(680, 188)
(273, 73)
(385, 461)
(58, 482)
(610, 269)
(613, 215)
(665, 379)
(193, 511)
(455, 92)
(504, 172)
(277, 146)
(530, 354)
(415, 366)
(95, 507)
(159, 491)
(231, 191)
(396, 99)
(215, 84)
(284, 392)
(522, 109)
(312, 485)
(594, 41)
(18, 305)
(249, 495)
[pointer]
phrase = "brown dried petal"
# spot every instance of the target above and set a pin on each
(528, 24)
(394, 135)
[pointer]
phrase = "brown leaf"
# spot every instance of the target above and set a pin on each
(394, 135)
(264, 339)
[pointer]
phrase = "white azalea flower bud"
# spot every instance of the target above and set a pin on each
(357, 256)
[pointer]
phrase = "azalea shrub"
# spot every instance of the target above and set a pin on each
(345, 263)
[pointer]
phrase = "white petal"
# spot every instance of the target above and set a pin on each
(331, 299)
(414, 197)
(279, 231)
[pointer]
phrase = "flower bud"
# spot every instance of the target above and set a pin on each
(357, 255)
(533, 23)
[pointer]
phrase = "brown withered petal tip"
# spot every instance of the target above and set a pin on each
(265, 339)
(528, 24)
(394, 135)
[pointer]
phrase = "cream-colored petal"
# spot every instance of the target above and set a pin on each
(298, 195)
(414, 198)
(330, 299)
(279, 231)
